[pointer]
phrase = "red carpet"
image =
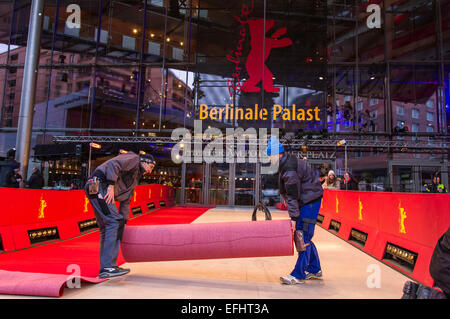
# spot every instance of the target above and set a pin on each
(207, 241)
(43, 270)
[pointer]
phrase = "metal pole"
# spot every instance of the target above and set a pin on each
(345, 151)
(89, 162)
(27, 99)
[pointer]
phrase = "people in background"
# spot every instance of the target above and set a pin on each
(13, 178)
(436, 186)
(6, 166)
(332, 182)
(349, 183)
(36, 180)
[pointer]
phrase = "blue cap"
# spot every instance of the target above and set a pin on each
(274, 147)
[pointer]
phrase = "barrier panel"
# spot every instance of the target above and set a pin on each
(30, 216)
(400, 229)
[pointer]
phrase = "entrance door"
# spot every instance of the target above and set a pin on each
(219, 187)
(194, 183)
(245, 181)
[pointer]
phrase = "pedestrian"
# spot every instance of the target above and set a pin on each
(5, 166)
(36, 180)
(332, 181)
(115, 180)
(301, 190)
(349, 182)
(13, 178)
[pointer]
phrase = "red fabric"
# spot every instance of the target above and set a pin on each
(409, 220)
(207, 241)
(27, 269)
(281, 206)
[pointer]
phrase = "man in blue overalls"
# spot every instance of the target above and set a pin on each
(301, 190)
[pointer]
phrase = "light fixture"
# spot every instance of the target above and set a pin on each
(152, 35)
(181, 43)
(321, 78)
(135, 31)
(95, 145)
(168, 39)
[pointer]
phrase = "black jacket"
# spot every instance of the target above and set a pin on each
(11, 179)
(124, 172)
(440, 263)
(299, 184)
(36, 180)
(351, 185)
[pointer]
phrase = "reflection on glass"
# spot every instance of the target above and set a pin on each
(403, 179)
(218, 192)
(245, 184)
(194, 185)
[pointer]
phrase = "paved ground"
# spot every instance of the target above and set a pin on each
(346, 270)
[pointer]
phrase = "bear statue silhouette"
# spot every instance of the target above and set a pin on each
(255, 70)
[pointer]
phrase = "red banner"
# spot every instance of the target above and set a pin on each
(410, 222)
(28, 209)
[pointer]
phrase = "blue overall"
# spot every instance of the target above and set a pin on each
(308, 261)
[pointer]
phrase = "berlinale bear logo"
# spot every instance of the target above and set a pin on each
(259, 44)
(254, 68)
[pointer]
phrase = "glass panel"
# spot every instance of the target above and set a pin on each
(219, 191)
(411, 31)
(245, 184)
(194, 184)
(403, 179)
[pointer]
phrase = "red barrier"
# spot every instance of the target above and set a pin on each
(24, 210)
(404, 225)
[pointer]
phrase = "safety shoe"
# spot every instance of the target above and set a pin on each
(112, 272)
(312, 275)
(410, 290)
(291, 280)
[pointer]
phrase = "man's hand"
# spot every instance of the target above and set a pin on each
(109, 197)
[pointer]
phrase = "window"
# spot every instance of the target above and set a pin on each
(415, 113)
(373, 102)
(430, 128)
(415, 127)
(400, 110)
(12, 83)
(360, 105)
(347, 98)
(373, 114)
(430, 116)
(430, 103)
(14, 57)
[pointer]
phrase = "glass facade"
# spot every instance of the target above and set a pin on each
(376, 70)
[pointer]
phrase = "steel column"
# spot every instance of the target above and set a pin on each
(27, 99)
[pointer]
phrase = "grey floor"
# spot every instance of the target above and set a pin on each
(347, 273)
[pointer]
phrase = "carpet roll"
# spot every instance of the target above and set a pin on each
(207, 241)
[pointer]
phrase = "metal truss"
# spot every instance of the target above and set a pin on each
(366, 142)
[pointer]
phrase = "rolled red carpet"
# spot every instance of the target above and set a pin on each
(207, 241)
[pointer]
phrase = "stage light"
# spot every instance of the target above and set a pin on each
(95, 145)
(341, 142)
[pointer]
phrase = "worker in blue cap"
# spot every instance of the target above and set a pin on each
(301, 190)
